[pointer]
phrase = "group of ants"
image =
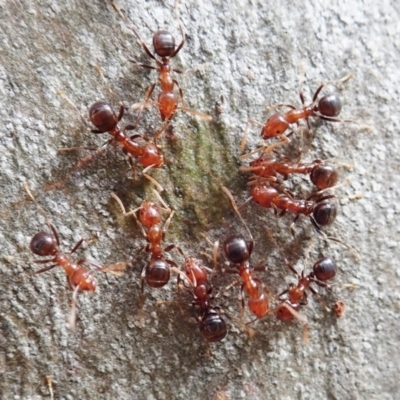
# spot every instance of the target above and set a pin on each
(266, 188)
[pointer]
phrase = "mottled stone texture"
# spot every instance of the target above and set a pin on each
(251, 54)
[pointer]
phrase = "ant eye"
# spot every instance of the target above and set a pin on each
(236, 249)
(43, 244)
(164, 43)
(330, 105)
(102, 116)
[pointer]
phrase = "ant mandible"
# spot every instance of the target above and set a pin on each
(211, 324)
(323, 176)
(327, 108)
(79, 277)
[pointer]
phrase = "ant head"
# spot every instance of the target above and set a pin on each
(43, 244)
(325, 269)
(213, 326)
(164, 44)
(324, 213)
(330, 105)
(237, 250)
(102, 116)
(324, 176)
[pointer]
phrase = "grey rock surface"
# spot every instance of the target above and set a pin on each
(250, 54)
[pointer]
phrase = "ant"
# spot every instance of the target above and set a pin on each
(103, 117)
(79, 277)
(327, 108)
(238, 251)
(211, 324)
(165, 48)
(156, 272)
(320, 211)
(323, 270)
(321, 175)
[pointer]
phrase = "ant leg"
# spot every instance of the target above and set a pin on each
(285, 260)
(72, 316)
(168, 221)
(161, 131)
(295, 221)
(76, 247)
(181, 43)
(121, 112)
(117, 8)
(39, 271)
(235, 207)
(142, 65)
(341, 80)
(196, 113)
(143, 104)
(180, 92)
(317, 295)
(152, 180)
(71, 103)
(246, 129)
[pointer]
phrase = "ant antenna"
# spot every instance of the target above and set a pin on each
(235, 207)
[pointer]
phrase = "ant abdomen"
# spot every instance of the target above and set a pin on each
(43, 244)
(157, 273)
(324, 213)
(264, 195)
(151, 156)
(330, 105)
(275, 126)
(284, 314)
(259, 306)
(324, 176)
(83, 278)
(102, 116)
(237, 249)
(163, 43)
(167, 102)
(149, 214)
(325, 269)
(195, 271)
(213, 327)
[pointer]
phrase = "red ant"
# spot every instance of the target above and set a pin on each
(321, 212)
(238, 251)
(79, 277)
(211, 324)
(323, 270)
(165, 48)
(156, 272)
(327, 108)
(321, 175)
(105, 120)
